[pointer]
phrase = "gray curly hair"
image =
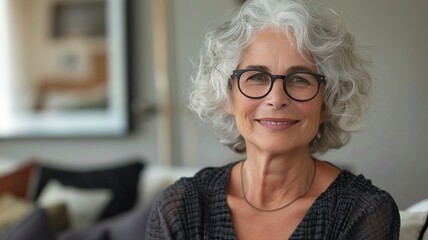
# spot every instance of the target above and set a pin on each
(321, 33)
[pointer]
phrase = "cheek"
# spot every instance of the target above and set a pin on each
(244, 115)
(316, 110)
(242, 124)
(314, 116)
(240, 104)
(244, 112)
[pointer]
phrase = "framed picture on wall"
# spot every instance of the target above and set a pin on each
(85, 18)
(65, 69)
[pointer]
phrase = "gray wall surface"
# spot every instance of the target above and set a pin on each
(390, 149)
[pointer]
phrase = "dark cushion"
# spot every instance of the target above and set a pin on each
(122, 180)
(92, 233)
(34, 226)
(130, 226)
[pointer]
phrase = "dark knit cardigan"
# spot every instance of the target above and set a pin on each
(351, 208)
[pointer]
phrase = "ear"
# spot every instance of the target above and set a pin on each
(324, 114)
(228, 104)
(227, 107)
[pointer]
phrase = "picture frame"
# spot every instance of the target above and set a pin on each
(69, 80)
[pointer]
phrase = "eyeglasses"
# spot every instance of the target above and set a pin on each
(299, 86)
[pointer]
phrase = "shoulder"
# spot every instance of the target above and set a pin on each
(360, 200)
(359, 189)
(190, 189)
(180, 208)
(211, 177)
(368, 210)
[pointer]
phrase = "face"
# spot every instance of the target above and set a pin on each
(276, 123)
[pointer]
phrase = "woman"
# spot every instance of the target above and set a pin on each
(279, 82)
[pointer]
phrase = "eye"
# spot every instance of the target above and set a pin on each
(301, 80)
(255, 77)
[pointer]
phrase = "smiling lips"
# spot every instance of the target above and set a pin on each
(277, 123)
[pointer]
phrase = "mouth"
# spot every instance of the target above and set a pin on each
(277, 123)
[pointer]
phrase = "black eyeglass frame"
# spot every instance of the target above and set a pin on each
(319, 77)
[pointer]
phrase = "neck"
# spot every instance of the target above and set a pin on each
(276, 181)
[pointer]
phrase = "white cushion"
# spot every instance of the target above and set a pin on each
(83, 205)
(411, 225)
(421, 206)
(156, 178)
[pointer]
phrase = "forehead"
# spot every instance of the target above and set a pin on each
(274, 49)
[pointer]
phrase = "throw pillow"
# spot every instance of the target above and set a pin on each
(18, 181)
(122, 180)
(58, 216)
(12, 210)
(83, 205)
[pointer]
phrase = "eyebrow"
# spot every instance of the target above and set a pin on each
(299, 68)
(258, 67)
(292, 69)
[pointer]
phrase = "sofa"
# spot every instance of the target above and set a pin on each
(41, 201)
(38, 222)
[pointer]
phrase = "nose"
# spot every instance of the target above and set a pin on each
(277, 98)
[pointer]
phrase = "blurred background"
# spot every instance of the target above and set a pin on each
(68, 68)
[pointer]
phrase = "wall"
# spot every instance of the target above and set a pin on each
(199, 147)
(390, 151)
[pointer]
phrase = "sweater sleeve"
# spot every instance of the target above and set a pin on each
(164, 220)
(193, 208)
(378, 218)
(157, 226)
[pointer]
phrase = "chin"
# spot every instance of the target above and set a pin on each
(277, 147)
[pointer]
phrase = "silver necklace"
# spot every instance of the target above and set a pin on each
(279, 208)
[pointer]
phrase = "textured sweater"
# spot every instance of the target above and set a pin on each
(350, 208)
